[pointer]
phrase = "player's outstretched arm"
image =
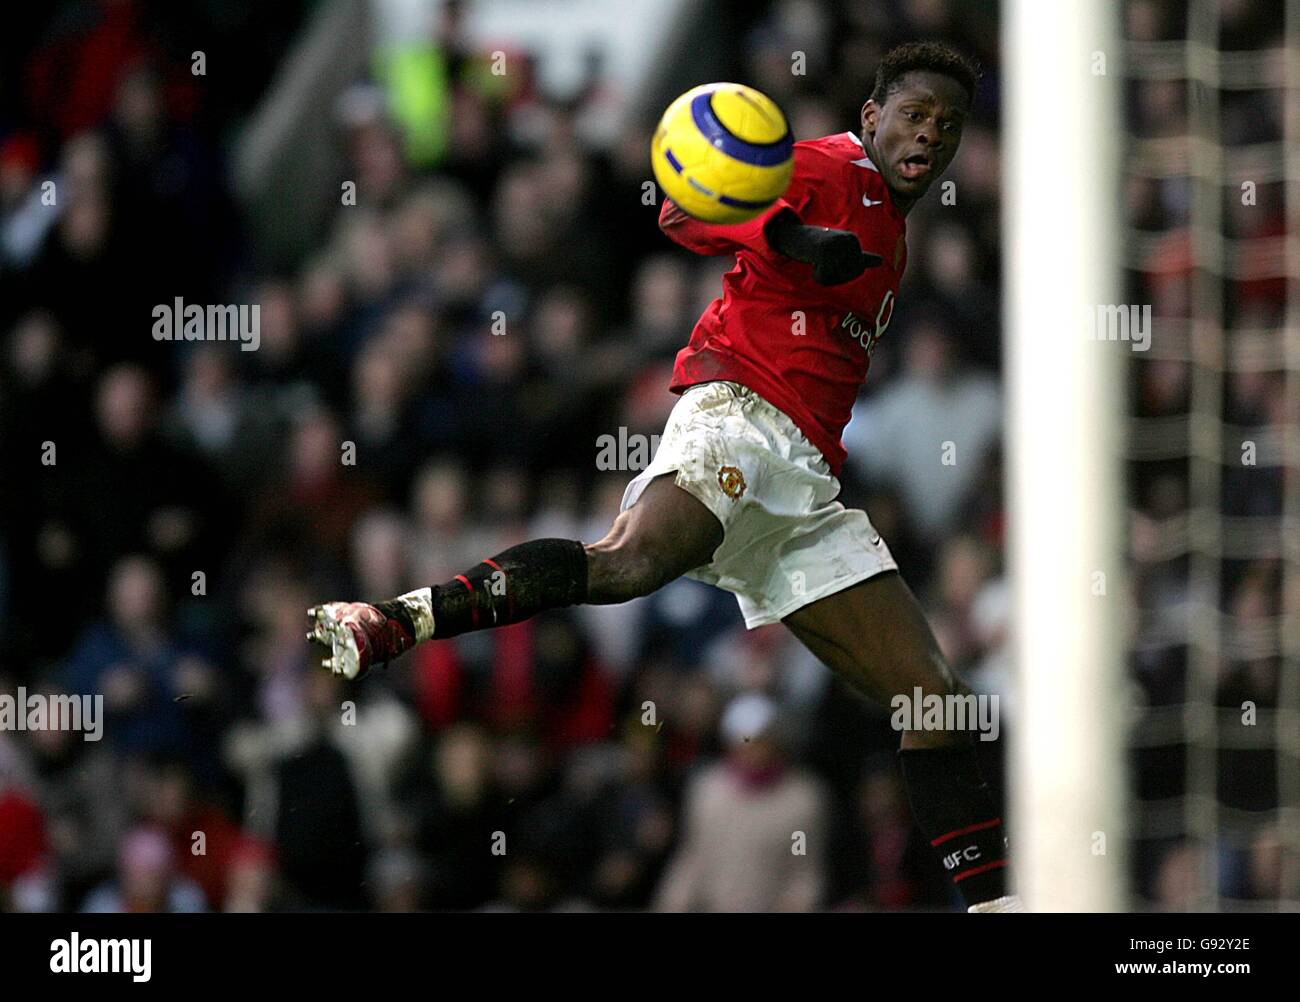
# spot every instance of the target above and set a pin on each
(835, 255)
(709, 239)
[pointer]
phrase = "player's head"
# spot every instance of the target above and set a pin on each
(913, 120)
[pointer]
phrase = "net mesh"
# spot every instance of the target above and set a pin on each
(1212, 168)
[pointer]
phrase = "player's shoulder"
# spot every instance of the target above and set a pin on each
(829, 157)
(842, 147)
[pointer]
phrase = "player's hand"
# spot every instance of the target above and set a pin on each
(835, 255)
(840, 258)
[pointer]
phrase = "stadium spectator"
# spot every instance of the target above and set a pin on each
(754, 829)
(928, 431)
(147, 880)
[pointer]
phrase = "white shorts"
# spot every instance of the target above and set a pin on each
(787, 542)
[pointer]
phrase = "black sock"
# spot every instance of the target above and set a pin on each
(512, 586)
(954, 809)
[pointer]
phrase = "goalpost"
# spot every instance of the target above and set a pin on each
(1062, 204)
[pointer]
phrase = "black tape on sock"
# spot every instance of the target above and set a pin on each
(955, 810)
(512, 586)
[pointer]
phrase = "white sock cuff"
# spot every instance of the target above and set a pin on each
(1006, 903)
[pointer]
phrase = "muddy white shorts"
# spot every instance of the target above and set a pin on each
(787, 541)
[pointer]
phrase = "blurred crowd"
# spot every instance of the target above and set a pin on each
(431, 382)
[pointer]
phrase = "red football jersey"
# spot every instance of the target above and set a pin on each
(805, 348)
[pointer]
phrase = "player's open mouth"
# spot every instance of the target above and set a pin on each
(917, 165)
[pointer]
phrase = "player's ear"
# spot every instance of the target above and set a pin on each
(870, 117)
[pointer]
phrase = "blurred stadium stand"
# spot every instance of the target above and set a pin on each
(520, 194)
(376, 320)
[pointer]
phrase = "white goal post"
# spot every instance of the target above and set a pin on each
(1061, 206)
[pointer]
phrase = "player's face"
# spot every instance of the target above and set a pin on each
(915, 131)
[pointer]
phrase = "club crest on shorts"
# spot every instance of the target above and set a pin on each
(732, 482)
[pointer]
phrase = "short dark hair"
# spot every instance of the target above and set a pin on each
(937, 57)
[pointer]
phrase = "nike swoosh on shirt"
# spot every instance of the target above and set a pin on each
(866, 200)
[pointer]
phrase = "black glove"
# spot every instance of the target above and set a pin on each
(835, 255)
(840, 258)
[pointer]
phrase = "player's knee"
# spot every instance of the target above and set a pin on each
(622, 567)
(940, 678)
(936, 679)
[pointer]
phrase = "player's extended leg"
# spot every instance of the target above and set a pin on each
(875, 636)
(665, 534)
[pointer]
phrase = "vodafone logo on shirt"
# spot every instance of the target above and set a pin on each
(865, 334)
